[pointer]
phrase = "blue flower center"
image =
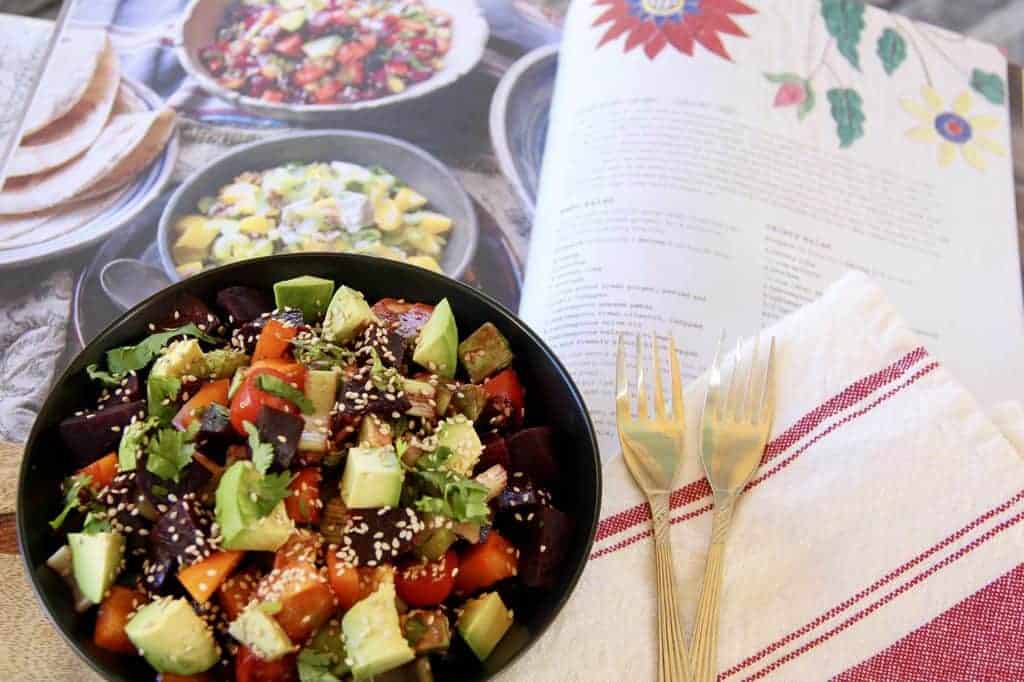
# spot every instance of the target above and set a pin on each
(660, 11)
(953, 128)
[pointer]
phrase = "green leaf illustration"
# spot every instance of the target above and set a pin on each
(892, 50)
(989, 85)
(809, 101)
(783, 78)
(845, 22)
(848, 113)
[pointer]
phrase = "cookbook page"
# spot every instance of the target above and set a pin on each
(714, 165)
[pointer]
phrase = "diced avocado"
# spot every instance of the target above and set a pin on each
(195, 239)
(422, 398)
(309, 294)
(458, 435)
(236, 381)
(373, 636)
(373, 478)
(484, 352)
(292, 21)
(172, 638)
(314, 434)
(224, 362)
(327, 642)
(322, 390)
(181, 358)
(261, 633)
(322, 47)
(133, 438)
(347, 314)
(374, 432)
(95, 561)
(255, 225)
(437, 344)
(484, 621)
(241, 526)
(443, 397)
(469, 400)
(426, 631)
(435, 542)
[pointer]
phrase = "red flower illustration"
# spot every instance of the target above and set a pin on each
(680, 23)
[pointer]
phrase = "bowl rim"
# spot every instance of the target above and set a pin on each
(494, 306)
(284, 111)
(472, 227)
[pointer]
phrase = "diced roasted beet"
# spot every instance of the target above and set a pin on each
(545, 547)
(495, 452)
(156, 569)
(356, 399)
(375, 536)
(183, 533)
(122, 498)
(189, 309)
(516, 506)
(532, 451)
(215, 433)
(283, 431)
(90, 435)
(158, 490)
(406, 318)
(129, 391)
(243, 304)
(390, 345)
(245, 336)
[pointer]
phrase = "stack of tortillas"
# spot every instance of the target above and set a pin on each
(86, 137)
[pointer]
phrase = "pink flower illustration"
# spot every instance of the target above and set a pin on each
(790, 94)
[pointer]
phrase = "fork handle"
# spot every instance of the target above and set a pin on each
(673, 662)
(704, 649)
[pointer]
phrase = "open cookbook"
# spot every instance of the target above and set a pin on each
(712, 166)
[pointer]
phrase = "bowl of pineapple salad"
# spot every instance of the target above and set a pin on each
(337, 191)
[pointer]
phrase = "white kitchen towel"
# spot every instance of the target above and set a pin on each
(886, 496)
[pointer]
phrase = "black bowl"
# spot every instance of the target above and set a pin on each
(552, 397)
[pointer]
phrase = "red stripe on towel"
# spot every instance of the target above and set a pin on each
(981, 638)
(848, 397)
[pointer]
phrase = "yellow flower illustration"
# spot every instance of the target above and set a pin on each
(954, 130)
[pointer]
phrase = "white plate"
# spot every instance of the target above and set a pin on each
(132, 200)
(203, 17)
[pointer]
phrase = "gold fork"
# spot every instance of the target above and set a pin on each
(734, 429)
(653, 450)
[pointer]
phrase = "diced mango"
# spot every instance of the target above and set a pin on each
(188, 221)
(425, 262)
(387, 215)
(194, 242)
(396, 85)
(434, 223)
(189, 269)
(409, 199)
(255, 224)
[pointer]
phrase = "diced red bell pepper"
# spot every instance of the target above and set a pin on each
(308, 73)
(208, 394)
(235, 593)
(246, 405)
(101, 472)
(505, 397)
(275, 341)
(304, 503)
(328, 91)
(302, 547)
(113, 614)
(482, 565)
(272, 95)
(307, 602)
(202, 578)
(290, 46)
(249, 667)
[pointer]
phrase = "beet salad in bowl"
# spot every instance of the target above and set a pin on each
(290, 476)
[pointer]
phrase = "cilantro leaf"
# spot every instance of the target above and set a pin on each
(318, 353)
(270, 490)
(105, 378)
(160, 395)
(449, 493)
(282, 389)
(262, 453)
(72, 497)
(96, 522)
(122, 360)
(315, 666)
(169, 452)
